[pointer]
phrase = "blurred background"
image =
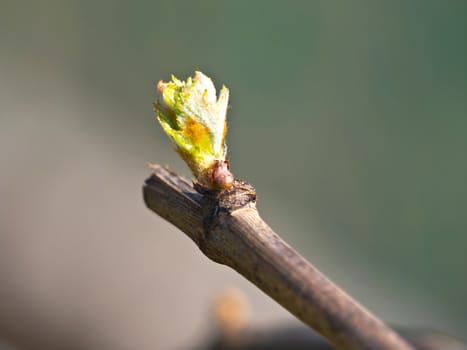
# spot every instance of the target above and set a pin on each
(349, 118)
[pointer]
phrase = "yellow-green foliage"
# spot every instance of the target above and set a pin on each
(195, 119)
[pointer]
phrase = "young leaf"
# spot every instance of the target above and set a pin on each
(195, 119)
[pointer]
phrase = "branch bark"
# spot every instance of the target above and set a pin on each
(228, 229)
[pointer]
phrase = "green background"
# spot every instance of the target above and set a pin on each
(349, 118)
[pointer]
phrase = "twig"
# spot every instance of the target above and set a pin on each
(229, 230)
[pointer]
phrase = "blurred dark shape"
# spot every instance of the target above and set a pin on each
(233, 332)
(299, 337)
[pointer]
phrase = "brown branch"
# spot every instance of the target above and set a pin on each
(229, 230)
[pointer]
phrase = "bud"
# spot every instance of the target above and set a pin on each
(195, 119)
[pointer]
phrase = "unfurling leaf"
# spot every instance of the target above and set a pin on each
(195, 119)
